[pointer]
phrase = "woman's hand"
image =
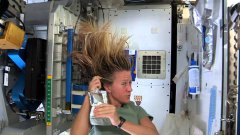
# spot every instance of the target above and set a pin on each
(107, 111)
(94, 84)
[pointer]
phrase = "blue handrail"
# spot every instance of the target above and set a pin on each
(69, 65)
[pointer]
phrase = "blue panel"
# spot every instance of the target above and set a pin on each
(18, 97)
(14, 56)
(80, 87)
(77, 99)
(132, 59)
(203, 37)
(75, 111)
(17, 91)
(212, 109)
(69, 65)
(133, 69)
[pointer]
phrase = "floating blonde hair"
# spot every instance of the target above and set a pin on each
(102, 53)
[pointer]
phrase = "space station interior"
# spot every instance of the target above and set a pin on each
(185, 56)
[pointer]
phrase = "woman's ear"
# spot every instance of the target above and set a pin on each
(107, 87)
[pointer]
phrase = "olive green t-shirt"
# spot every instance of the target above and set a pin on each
(130, 112)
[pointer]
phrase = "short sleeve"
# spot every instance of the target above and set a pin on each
(141, 113)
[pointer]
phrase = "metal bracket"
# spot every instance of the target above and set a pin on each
(74, 6)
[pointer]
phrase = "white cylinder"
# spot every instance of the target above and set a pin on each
(194, 81)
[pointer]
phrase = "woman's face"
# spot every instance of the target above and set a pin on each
(120, 90)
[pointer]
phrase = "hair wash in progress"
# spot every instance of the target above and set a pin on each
(102, 54)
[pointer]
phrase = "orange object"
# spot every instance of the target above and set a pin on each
(12, 37)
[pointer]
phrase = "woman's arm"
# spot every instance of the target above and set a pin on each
(146, 127)
(81, 125)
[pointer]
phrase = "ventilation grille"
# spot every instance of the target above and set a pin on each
(151, 64)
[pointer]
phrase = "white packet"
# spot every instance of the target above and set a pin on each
(98, 97)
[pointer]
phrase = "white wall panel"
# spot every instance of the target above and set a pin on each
(205, 113)
(150, 29)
